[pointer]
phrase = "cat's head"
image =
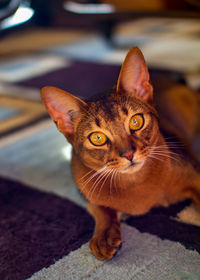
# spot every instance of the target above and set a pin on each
(114, 131)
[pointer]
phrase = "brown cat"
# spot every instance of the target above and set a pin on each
(121, 161)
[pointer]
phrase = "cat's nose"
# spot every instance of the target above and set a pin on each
(129, 154)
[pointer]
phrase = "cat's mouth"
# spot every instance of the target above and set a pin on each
(133, 166)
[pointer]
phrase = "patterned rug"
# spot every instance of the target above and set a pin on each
(37, 229)
(17, 113)
(44, 226)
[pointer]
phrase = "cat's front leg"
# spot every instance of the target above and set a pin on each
(107, 234)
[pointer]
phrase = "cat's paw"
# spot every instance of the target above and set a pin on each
(105, 244)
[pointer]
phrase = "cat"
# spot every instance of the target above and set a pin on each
(121, 162)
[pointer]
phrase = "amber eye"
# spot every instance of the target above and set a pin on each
(98, 138)
(136, 122)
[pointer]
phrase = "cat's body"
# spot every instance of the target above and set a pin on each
(121, 161)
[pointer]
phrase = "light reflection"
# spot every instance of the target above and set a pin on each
(22, 15)
(67, 152)
(88, 8)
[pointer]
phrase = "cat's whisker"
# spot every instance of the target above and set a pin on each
(106, 177)
(117, 173)
(111, 180)
(175, 146)
(97, 180)
(163, 150)
(164, 155)
(156, 149)
(93, 176)
(85, 175)
(171, 138)
(89, 179)
(93, 187)
(176, 143)
(115, 180)
(169, 152)
(165, 146)
(95, 184)
(157, 158)
(160, 148)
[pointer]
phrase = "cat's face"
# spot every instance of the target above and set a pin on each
(116, 133)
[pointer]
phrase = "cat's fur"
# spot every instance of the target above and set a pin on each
(132, 172)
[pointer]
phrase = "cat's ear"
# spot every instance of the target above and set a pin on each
(134, 76)
(63, 107)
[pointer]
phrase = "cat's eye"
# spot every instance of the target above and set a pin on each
(136, 122)
(98, 138)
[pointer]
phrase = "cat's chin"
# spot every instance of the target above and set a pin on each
(133, 167)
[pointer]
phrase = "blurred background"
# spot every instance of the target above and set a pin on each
(79, 46)
(39, 36)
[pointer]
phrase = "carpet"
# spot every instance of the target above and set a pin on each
(142, 256)
(44, 225)
(16, 114)
(37, 229)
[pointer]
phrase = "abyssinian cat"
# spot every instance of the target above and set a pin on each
(121, 161)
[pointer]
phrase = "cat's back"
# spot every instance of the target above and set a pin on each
(179, 117)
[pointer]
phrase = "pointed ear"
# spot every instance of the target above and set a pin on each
(134, 76)
(63, 107)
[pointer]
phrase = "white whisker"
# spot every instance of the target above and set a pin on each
(115, 180)
(95, 184)
(164, 155)
(111, 181)
(151, 156)
(85, 175)
(93, 176)
(164, 151)
(164, 147)
(107, 175)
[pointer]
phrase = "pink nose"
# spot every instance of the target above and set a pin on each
(128, 155)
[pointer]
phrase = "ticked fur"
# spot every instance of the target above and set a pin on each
(134, 170)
